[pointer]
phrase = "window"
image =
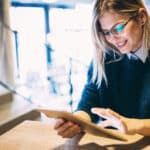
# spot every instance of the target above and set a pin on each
(69, 42)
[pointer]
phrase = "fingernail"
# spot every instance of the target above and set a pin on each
(93, 110)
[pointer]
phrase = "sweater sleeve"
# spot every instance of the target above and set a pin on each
(90, 96)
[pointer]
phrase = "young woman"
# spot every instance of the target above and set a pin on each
(117, 92)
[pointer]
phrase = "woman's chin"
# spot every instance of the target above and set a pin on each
(124, 51)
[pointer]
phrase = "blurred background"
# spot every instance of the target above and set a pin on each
(51, 47)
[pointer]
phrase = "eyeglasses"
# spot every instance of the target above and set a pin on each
(115, 30)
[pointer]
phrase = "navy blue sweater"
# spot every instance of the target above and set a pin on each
(127, 91)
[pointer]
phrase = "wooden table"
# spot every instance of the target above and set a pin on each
(35, 135)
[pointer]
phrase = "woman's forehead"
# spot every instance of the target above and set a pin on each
(108, 19)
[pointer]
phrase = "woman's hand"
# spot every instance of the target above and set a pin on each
(113, 119)
(67, 129)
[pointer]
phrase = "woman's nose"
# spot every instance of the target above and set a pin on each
(113, 37)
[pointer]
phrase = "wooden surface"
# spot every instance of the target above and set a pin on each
(13, 110)
(35, 135)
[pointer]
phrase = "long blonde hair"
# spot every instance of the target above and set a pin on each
(123, 7)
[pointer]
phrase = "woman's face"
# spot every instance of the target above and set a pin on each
(129, 38)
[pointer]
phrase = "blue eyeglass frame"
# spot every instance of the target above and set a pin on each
(117, 28)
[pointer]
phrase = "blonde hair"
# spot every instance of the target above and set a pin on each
(123, 7)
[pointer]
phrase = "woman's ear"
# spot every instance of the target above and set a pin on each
(142, 16)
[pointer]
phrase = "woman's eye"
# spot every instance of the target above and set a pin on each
(119, 28)
(106, 32)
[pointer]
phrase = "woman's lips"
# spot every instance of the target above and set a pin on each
(121, 44)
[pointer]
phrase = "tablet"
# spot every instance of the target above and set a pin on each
(86, 126)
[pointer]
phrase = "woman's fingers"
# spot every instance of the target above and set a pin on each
(106, 113)
(112, 113)
(112, 118)
(72, 131)
(59, 123)
(105, 124)
(66, 129)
